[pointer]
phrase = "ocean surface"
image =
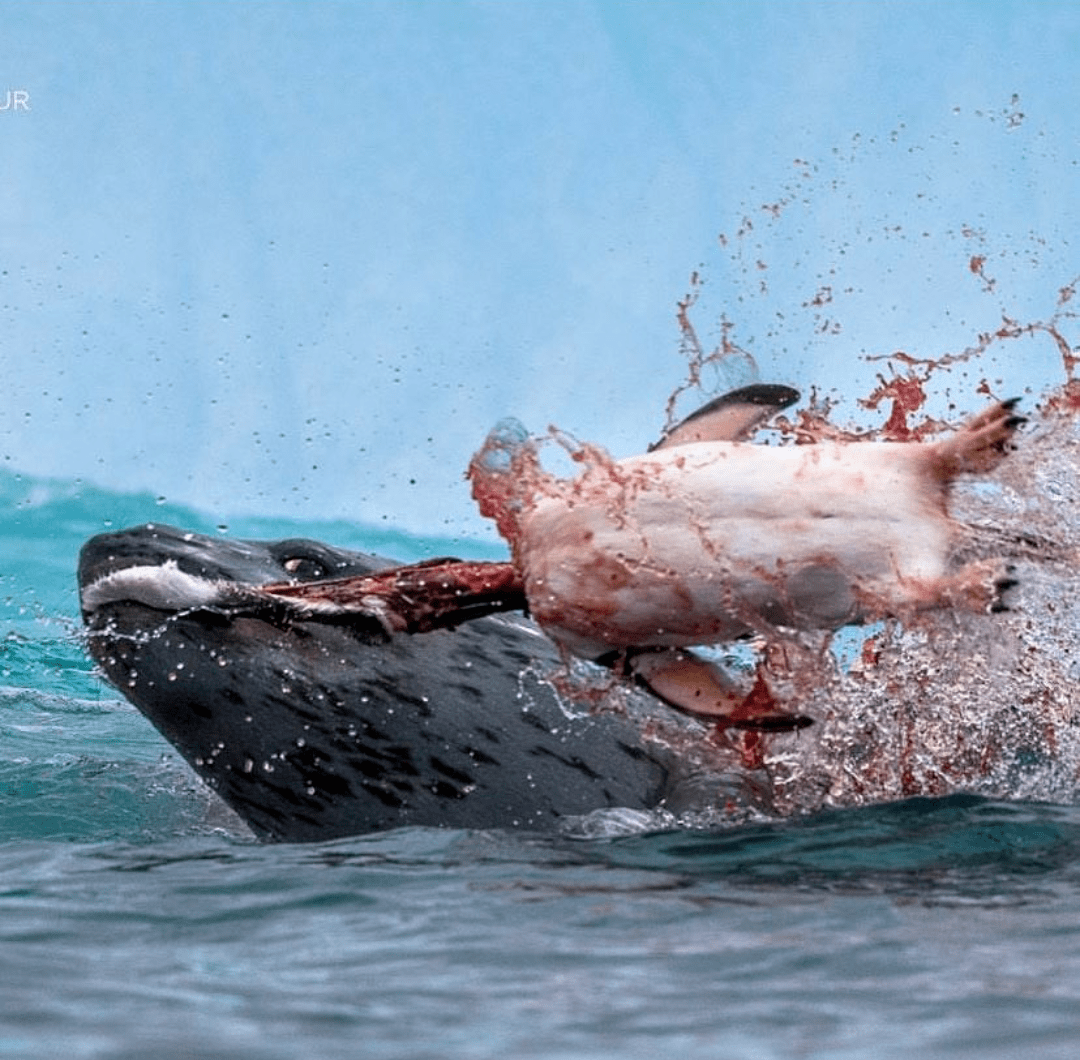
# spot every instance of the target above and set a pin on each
(138, 919)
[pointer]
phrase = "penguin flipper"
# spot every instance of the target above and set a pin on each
(731, 416)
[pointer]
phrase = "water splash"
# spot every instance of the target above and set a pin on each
(962, 702)
(954, 702)
(944, 702)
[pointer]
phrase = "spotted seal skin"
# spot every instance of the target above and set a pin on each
(312, 728)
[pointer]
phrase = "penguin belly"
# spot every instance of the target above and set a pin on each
(707, 542)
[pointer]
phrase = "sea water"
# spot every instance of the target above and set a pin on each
(139, 919)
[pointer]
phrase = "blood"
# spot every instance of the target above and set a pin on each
(693, 350)
(750, 743)
(436, 594)
(907, 396)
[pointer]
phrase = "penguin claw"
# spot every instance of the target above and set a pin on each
(1001, 586)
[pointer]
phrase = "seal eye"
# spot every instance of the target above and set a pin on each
(310, 561)
(304, 567)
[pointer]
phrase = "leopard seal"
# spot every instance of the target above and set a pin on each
(313, 726)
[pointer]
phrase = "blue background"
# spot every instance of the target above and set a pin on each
(297, 258)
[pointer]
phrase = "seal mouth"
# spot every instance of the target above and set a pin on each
(172, 572)
(163, 587)
(167, 588)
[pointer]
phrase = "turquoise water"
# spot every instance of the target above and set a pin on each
(138, 919)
